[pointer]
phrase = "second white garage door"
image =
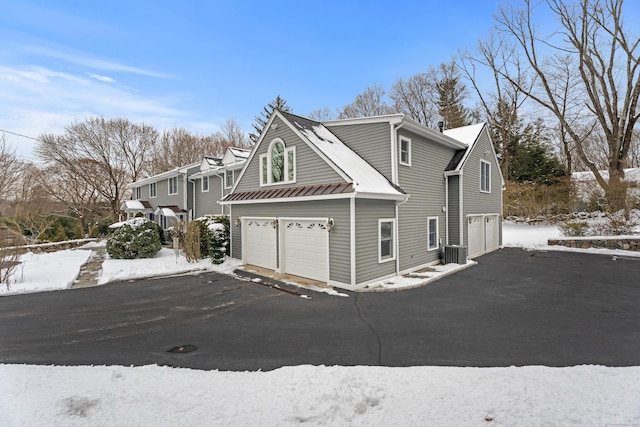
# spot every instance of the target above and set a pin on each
(306, 248)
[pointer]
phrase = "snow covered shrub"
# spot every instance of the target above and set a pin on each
(218, 242)
(574, 228)
(615, 224)
(9, 261)
(137, 238)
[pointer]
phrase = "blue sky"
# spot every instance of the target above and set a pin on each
(195, 64)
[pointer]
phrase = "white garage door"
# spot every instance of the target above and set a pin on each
(306, 248)
(260, 242)
(476, 235)
(492, 238)
(483, 234)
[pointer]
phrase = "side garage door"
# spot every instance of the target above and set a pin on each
(260, 242)
(476, 235)
(483, 234)
(306, 248)
(492, 238)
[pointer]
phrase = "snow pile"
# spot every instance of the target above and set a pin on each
(46, 271)
(164, 263)
(133, 223)
(318, 395)
(413, 280)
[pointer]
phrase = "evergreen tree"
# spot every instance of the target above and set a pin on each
(261, 120)
(532, 160)
(451, 92)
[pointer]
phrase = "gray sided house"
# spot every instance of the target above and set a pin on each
(187, 192)
(351, 202)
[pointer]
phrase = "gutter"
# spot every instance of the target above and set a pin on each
(397, 232)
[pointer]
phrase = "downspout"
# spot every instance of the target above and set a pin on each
(222, 192)
(446, 209)
(397, 232)
(461, 187)
(193, 197)
(186, 191)
(395, 126)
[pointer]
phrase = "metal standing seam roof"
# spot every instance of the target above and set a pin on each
(303, 191)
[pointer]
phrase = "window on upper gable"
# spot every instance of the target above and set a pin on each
(138, 193)
(228, 179)
(173, 185)
(386, 233)
(485, 176)
(205, 184)
(153, 190)
(405, 151)
(278, 164)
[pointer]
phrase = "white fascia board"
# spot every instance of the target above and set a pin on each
(433, 134)
(389, 118)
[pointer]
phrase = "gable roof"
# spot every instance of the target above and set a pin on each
(362, 177)
(468, 135)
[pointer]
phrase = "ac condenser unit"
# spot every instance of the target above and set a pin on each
(454, 254)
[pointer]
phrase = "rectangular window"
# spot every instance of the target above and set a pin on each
(205, 184)
(138, 193)
(433, 233)
(228, 179)
(291, 164)
(485, 176)
(173, 185)
(264, 173)
(405, 151)
(153, 190)
(386, 232)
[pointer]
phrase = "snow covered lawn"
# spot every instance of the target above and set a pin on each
(319, 395)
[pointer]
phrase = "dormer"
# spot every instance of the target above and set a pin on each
(235, 155)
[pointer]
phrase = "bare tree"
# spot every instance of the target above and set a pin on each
(607, 60)
(105, 154)
(322, 114)
(414, 98)
(179, 147)
(10, 167)
(368, 103)
(234, 135)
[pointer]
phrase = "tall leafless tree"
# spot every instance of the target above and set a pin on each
(105, 154)
(368, 103)
(607, 60)
(10, 167)
(414, 97)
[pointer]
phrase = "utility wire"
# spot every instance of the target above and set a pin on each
(19, 134)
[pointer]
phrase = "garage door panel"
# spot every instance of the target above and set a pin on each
(261, 243)
(492, 238)
(306, 248)
(476, 235)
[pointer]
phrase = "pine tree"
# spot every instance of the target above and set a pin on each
(451, 92)
(261, 120)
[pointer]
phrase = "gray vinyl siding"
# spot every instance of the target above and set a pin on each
(368, 212)
(425, 183)
(372, 142)
(164, 199)
(144, 192)
(454, 210)
(207, 202)
(310, 167)
(476, 201)
(339, 237)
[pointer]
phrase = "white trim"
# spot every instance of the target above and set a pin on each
(461, 208)
(393, 240)
(155, 188)
(137, 193)
(437, 246)
(233, 175)
(202, 190)
(400, 151)
(352, 236)
(285, 159)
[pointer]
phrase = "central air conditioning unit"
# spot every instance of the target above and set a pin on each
(454, 254)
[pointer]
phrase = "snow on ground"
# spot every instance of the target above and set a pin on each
(319, 395)
(164, 263)
(45, 271)
(313, 395)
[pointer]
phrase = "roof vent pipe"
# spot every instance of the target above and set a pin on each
(441, 126)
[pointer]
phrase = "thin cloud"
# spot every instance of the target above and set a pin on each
(101, 78)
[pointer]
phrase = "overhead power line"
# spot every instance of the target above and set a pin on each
(19, 134)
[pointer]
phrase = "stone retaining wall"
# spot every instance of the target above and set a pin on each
(50, 247)
(625, 243)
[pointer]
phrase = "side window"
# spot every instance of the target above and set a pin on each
(228, 179)
(153, 190)
(433, 233)
(173, 185)
(278, 164)
(138, 193)
(205, 184)
(485, 176)
(386, 234)
(405, 151)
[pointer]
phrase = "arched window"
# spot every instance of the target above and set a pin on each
(278, 164)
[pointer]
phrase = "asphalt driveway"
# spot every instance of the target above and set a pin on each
(514, 308)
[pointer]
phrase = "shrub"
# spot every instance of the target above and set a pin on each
(574, 228)
(196, 241)
(218, 242)
(134, 239)
(614, 225)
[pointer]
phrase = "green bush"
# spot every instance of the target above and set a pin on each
(135, 239)
(574, 228)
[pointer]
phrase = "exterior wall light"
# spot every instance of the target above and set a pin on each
(330, 224)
